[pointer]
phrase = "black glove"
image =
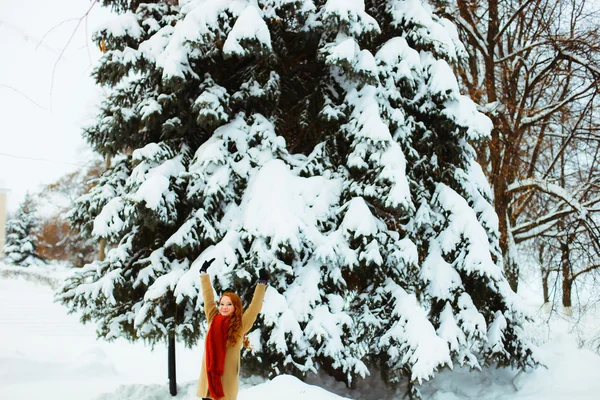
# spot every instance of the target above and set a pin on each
(263, 275)
(205, 265)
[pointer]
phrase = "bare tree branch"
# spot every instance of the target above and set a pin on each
(519, 11)
(83, 17)
(24, 95)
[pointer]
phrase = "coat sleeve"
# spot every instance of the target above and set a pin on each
(254, 308)
(210, 306)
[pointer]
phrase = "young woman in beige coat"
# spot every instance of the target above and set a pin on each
(228, 326)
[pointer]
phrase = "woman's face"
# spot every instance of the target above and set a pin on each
(226, 306)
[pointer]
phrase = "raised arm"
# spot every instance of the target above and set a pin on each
(257, 300)
(254, 308)
(208, 294)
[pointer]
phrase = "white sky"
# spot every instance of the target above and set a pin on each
(40, 129)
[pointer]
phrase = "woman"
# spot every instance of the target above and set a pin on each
(228, 326)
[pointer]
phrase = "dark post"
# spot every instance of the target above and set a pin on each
(172, 377)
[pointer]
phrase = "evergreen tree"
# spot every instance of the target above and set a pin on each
(21, 235)
(326, 141)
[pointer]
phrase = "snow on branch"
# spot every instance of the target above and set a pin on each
(250, 27)
(475, 35)
(521, 50)
(351, 15)
(551, 189)
(544, 223)
(584, 63)
(412, 340)
(550, 109)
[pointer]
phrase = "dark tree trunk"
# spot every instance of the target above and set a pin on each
(567, 285)
(545, 276)
(567, 281)
(172, 376)
(503, 171)
(565, 247)
(511, 270)
(545, 273)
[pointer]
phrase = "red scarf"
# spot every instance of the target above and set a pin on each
(216, 344)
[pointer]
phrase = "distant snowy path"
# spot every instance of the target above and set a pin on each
(47, 354)
(31, 313)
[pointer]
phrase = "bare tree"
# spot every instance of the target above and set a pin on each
(534, 67)
(570, 247)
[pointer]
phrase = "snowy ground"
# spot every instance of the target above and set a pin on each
(47, 354)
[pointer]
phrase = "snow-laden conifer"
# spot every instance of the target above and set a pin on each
(326, 141)
(22, 240)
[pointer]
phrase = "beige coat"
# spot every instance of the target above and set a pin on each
(230, 378)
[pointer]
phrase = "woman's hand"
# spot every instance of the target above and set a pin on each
(263, 276)
(205, 266)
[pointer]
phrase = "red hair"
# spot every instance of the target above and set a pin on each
(235, 320)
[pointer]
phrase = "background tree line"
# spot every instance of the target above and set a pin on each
(534, 68)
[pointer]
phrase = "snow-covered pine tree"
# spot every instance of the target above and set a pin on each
(324, 140)
(21, 235)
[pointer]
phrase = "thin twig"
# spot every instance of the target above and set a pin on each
(40, 42)
(87, 45)
(24, 95)
(84, 16)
